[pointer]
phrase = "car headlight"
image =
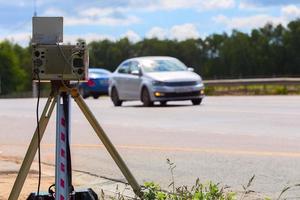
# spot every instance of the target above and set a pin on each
(158, 83)
(199, 82)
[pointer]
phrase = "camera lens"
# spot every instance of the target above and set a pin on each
(78, 62)
(80, 71)
(38, 62)
(37, 53)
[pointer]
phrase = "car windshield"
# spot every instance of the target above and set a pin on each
(162, 66)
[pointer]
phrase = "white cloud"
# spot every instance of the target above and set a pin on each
(99, 12)
(268, 3)
(94, 16)
(287, 14)
(183, 32)
(107, 21)
(21, 38)
(132, 36)
(218, 4)
(290, 12)
(246, 22)
(155, 5)
(118, 12)
(89, 37)
(53, 12)
(244, 5)
(157, 32)
(178, 32)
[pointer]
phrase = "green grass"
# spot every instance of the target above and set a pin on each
(253, 90)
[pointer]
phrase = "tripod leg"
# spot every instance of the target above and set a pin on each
(107, 143)
(31, 151)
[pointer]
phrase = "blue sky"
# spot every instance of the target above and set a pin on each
(138, 19)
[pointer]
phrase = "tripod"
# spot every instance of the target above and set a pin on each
(63, 171)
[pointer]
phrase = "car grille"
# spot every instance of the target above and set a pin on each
(182, 94)
(185, 83)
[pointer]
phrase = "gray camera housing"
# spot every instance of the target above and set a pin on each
(47, 30)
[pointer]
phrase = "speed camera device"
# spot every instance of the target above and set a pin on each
(52, 60)
(60, 62)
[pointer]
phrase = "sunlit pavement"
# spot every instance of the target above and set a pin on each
(225, 139)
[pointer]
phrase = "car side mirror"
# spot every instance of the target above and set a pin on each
(190, 69)
(136, 73)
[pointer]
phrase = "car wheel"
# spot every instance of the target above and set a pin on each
(95, 96)
(115, 97)
(196, 101)
(83, 93)
(163, 103)
(146, 98)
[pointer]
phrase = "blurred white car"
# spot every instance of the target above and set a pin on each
(151, 79)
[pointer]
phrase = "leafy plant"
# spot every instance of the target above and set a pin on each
(198, 191)
(153, 191)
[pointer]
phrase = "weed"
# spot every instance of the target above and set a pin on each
(172, 166)
(247, 188)
(287, 188)
(198, 191)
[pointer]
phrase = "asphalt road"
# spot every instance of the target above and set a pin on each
(225, 139)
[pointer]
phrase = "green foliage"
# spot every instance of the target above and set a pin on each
(253, 90)
(24, 56)
(12, 76)
(199, 191)
(108, 54)
(153, 191)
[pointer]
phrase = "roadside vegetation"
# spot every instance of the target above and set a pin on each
(253, 90)
(270, 51)
(199, 191)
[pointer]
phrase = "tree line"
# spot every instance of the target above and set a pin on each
(268, 51)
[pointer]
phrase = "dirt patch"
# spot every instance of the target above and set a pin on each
(8, 176)
(9, 167)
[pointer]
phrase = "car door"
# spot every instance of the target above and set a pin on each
(120, 78)
(134, 81)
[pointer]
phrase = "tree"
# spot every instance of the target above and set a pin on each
(292, 44)
(24, 56)
(12, 76)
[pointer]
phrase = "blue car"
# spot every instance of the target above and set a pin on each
(97, 83)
